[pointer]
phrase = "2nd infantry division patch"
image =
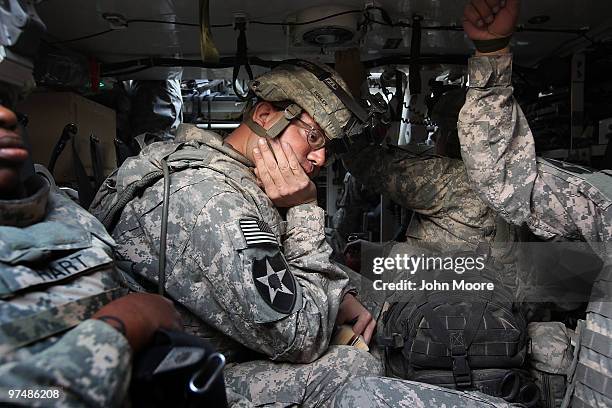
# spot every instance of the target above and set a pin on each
(275, 283)
(257, 232)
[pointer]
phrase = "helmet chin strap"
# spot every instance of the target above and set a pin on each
(291, 112)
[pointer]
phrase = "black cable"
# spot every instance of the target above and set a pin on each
(306, 22)
(124, 68)
(272, 23)
(85, 37)
(178, 23)
(129, 71)
(161, 277)
(139, 20)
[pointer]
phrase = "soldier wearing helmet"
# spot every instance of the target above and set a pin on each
(244, 251)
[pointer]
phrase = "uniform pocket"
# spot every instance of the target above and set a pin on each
(40, 242)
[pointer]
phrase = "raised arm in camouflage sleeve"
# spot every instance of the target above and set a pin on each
(89, 366)
(499, 153)
(557, 200)
(433, 186)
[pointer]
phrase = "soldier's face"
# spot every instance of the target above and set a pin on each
(297, 136)
(12, 150)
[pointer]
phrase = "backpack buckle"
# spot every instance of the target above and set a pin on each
(395, 341)
(461, 371)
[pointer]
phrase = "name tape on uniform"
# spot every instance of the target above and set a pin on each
(257, 232)
(64, 268)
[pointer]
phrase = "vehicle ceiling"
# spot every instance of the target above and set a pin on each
(70, 19)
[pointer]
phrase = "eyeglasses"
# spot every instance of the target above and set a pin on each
(315, 138)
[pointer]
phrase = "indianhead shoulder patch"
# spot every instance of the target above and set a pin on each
(275, 283)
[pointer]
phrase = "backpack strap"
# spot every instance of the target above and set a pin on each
(457, 342)
(110, 219)
(194, 158)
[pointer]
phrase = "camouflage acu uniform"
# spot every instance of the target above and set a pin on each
(389, 392)
(446, 210)
(56, 271)
(550, 358)
(255, 284)
(556, 201)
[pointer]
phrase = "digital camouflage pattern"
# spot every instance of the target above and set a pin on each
(288, 82)
(307, 385)
(550, 358)
(89, 365)
(209, 264)
(437, 188)
(550, 349)
(235, 400)
(386, 392)
(556, 201)
(499, 154)
(54, 274)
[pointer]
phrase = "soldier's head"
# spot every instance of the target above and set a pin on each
(298, 107)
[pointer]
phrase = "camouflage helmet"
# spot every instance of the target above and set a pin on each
(290, 82)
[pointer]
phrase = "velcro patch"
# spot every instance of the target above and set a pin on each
(257, 232)
(275, 283)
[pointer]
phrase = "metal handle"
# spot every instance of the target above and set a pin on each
(214, 365)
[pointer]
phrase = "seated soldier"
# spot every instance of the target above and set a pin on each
(233, 233)
(59, 335)
(435, 186)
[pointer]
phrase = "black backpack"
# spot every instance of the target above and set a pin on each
(468, 340)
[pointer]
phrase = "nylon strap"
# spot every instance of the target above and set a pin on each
(326, 77)
(457, 343)
(598, 381)
(602, 308)
(86, 191)
(132, 190)
(597, 342)
(492, 45)
(578, 403)
(96, 161)
(291, 112)
(111, 218)
(56, 320)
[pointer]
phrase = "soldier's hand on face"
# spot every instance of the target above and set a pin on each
(490, 19)
(141, 314)
(282, 177)
(351, 310)
(12, 153)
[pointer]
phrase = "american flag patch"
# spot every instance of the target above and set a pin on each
(257, 232)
